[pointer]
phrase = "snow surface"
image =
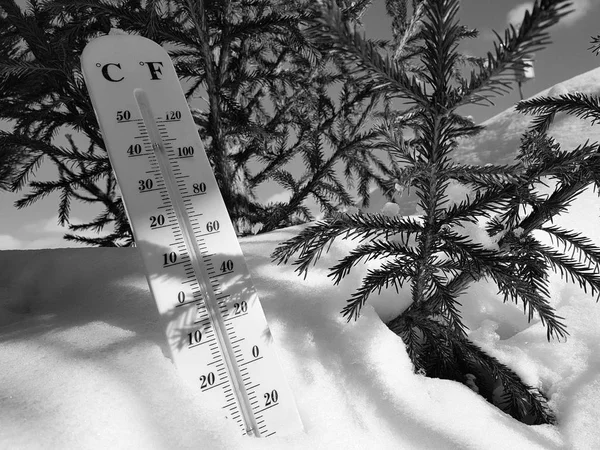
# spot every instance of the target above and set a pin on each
(83, 359)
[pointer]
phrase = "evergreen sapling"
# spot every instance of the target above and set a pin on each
(432, 254)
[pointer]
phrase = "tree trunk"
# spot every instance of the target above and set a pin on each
(232, 181)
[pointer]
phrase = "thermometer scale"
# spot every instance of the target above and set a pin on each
(215, 325)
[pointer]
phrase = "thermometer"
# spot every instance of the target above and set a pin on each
(215, 326)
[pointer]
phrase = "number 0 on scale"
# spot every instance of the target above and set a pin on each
(215, 325)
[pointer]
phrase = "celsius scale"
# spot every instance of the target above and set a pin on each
(216, 328)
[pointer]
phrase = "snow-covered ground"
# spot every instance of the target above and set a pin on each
(83, 364)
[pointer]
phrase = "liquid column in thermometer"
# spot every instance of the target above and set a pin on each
(195, 259)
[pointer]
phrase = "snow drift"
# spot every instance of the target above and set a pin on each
(83, 359)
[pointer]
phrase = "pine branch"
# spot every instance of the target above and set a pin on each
(586, 277)
(312, 240)
(581, 248)
(64, 206)
(405, 30)
(356, 9)
(285, 179)
(271, 25)
(468, 251)
(577, 104)
(96, 225)
(110, 240)
(531, 37)
(442, 302)
(513, 289)
(335, 191)
(481, 204)
(486, 176)
(595, 47)
(441, 33)
(501, 268)
(393, 273)
(331, 31)
(20, 161)
(555, 204)
(12, 70)
(376, 249)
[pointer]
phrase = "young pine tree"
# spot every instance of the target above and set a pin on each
(432, 255)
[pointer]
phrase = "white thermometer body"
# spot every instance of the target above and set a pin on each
(215, 325)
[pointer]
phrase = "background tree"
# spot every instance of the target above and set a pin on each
(269, 100)
(42, 93)
(434, 256)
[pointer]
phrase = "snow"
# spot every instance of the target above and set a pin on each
(84, 361)
(390, 209)
(83, 365)
(557, 90)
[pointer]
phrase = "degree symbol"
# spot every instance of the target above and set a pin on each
(98, 65)
(141, 63)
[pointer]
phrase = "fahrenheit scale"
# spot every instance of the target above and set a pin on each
(216, 328)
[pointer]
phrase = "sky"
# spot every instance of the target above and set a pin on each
(568, 56)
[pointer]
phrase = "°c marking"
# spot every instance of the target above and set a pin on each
(106, 74)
